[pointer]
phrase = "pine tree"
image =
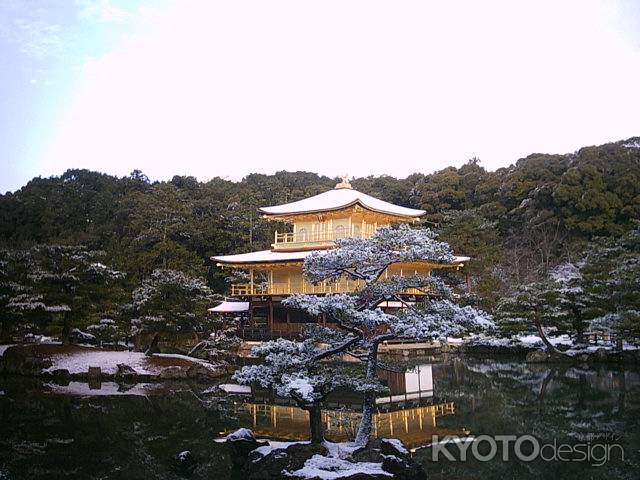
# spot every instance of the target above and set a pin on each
(61, 282)
(362, 324)
(169, 302)
(530, 308)
(612, 278)
(295, 370)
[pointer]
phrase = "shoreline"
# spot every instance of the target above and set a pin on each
(78, 363)
(64, 364)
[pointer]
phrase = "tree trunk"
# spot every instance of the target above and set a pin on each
(195, 349)
(366, 424)
(578, 325)
(66, 330)
(545, 384)
(5, 334)
(153, 346)
(315, 423)
(543, 337)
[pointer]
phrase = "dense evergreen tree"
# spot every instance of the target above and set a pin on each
(169, 302)
(516, 223)
(612, 279)
(60, 285)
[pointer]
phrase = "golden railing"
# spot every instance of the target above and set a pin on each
(295, 287)
(284, 239)
(343, 286)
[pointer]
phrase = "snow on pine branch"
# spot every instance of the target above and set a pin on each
(26, 302)
(335, 306)
(441, 319)
(159, 280)
(366, 259)
(395, 284)
(289, 369)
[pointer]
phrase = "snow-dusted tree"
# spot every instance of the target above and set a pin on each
(219, 340)
(105, 331)
(9, 290)
(169, 302)
(571, 299)
(62, 281)
(529, 309)
(558, 301)
(611, 280)
(363, 324)
(294, 370)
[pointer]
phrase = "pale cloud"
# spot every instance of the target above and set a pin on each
(102, 11)
(368, 87)
(35, 38)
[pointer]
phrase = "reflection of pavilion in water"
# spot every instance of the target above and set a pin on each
(407, 412)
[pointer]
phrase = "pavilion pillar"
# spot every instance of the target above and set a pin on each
(270, 317)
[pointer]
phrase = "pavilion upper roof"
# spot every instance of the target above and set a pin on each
(343, 196)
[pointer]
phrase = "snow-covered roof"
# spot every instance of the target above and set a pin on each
(269, 256)
(262, 256)
(226, 307)
(337, 199)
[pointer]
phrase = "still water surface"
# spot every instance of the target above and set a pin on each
(70, 432)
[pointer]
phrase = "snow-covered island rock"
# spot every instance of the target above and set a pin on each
(380, 459)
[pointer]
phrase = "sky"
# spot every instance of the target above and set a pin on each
(210, 88)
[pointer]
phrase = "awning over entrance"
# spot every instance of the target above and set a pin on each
(230, 307)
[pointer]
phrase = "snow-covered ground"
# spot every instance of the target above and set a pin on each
(336, 464)
(329, 468)
(80, 359)
(518, 341)
(273, 445)
(534, 341)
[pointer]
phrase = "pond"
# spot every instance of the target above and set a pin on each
(67, 432)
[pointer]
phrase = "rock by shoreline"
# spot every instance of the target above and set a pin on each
(586, 355)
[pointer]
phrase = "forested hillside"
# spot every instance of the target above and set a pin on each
(517, 222)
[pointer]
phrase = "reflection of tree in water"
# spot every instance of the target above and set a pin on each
(110, 437)
(562, 402)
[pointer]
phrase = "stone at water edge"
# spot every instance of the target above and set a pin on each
(126, 373)
(61, 376)
(394, 456)
(94, 374)
(94, 378)
(184, 463)
(286, 459)
(173, 373)
(202, 372)
(21, 360)
(393, 446)
(240, 443)
(537, 356)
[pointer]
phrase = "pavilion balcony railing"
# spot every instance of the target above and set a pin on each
(343, 286)
(317, 238)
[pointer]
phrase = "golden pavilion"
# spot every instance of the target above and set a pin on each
(315, 224)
